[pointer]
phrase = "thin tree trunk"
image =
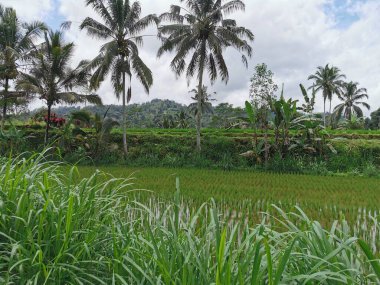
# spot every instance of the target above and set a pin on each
(125, 145)
(331, 117)
(6, 86)
(266, 142)
(199, 103)
(47, 125)
(324, 113)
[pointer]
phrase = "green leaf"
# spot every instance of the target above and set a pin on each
(372, 259)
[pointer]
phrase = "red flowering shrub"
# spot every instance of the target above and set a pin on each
(55, 121)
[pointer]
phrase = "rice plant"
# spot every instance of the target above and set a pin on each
(58, 228)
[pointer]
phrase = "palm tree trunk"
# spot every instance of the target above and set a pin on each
(47, 125)
(331, 117)
(199, 103)
(4, 115)
(324, 113)
(125, 145)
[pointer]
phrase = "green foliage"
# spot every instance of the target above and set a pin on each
(352, 97)
(329, 81)
(57, 228)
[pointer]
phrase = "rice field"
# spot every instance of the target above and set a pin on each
(68, 225)
(326, 198)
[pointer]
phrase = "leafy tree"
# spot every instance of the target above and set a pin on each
(202, 34)
(329, 80)
(374, 122)
(262, 94)
(262, 88)
(121, 25)
(16, 42)
(52, 78)
(352, 97)
(206, 99)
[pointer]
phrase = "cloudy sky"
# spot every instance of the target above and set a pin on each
(293, 37)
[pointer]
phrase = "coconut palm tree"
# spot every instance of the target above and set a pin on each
(182, 120)
(352, 97)
(121, 25)
(201, 35)
(16, 42)
(328, 80)
(52, 79)
(206, 99)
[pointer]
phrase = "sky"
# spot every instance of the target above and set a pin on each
(293, 37)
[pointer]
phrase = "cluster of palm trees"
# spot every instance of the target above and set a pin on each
(196, 31)
(330, 81)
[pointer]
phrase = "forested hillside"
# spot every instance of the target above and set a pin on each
(161, 114)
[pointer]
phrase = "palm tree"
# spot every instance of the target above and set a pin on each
(52, 78)
(352, 97)
(182, 120)
(202, 35)
(16, 42)
(122, 25)
(206, 99)
(328, 80)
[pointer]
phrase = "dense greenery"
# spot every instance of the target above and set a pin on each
(58, 228)
(153, 114)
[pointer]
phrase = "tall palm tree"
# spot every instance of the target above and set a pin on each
(16, 42)
(201, 35)
(206, 99)
(52, 78)
(328, 80)
(352, 97)
(121, 25)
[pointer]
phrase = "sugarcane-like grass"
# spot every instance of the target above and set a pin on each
(58, 228)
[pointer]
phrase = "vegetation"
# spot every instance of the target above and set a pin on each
(51, 77)
(122, 24)
(16, 43)
(351, 97)
(240, 210)
(329, 80)
(204, 37)
(55, 228)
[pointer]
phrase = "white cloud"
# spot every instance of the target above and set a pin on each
(29, 10)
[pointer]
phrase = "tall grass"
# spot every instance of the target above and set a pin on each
(58, 229)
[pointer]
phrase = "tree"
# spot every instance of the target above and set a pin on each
(329, 80)
(206, 99)
(122, 25)
(52, 78)
(262, 94)
(352, 97)
(374, 121)
(263, 88)
(16, 42)
(201, 35)
(182, 120)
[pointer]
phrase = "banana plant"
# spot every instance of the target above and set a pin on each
(257, 147)
(284, 113)
(308, 106)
